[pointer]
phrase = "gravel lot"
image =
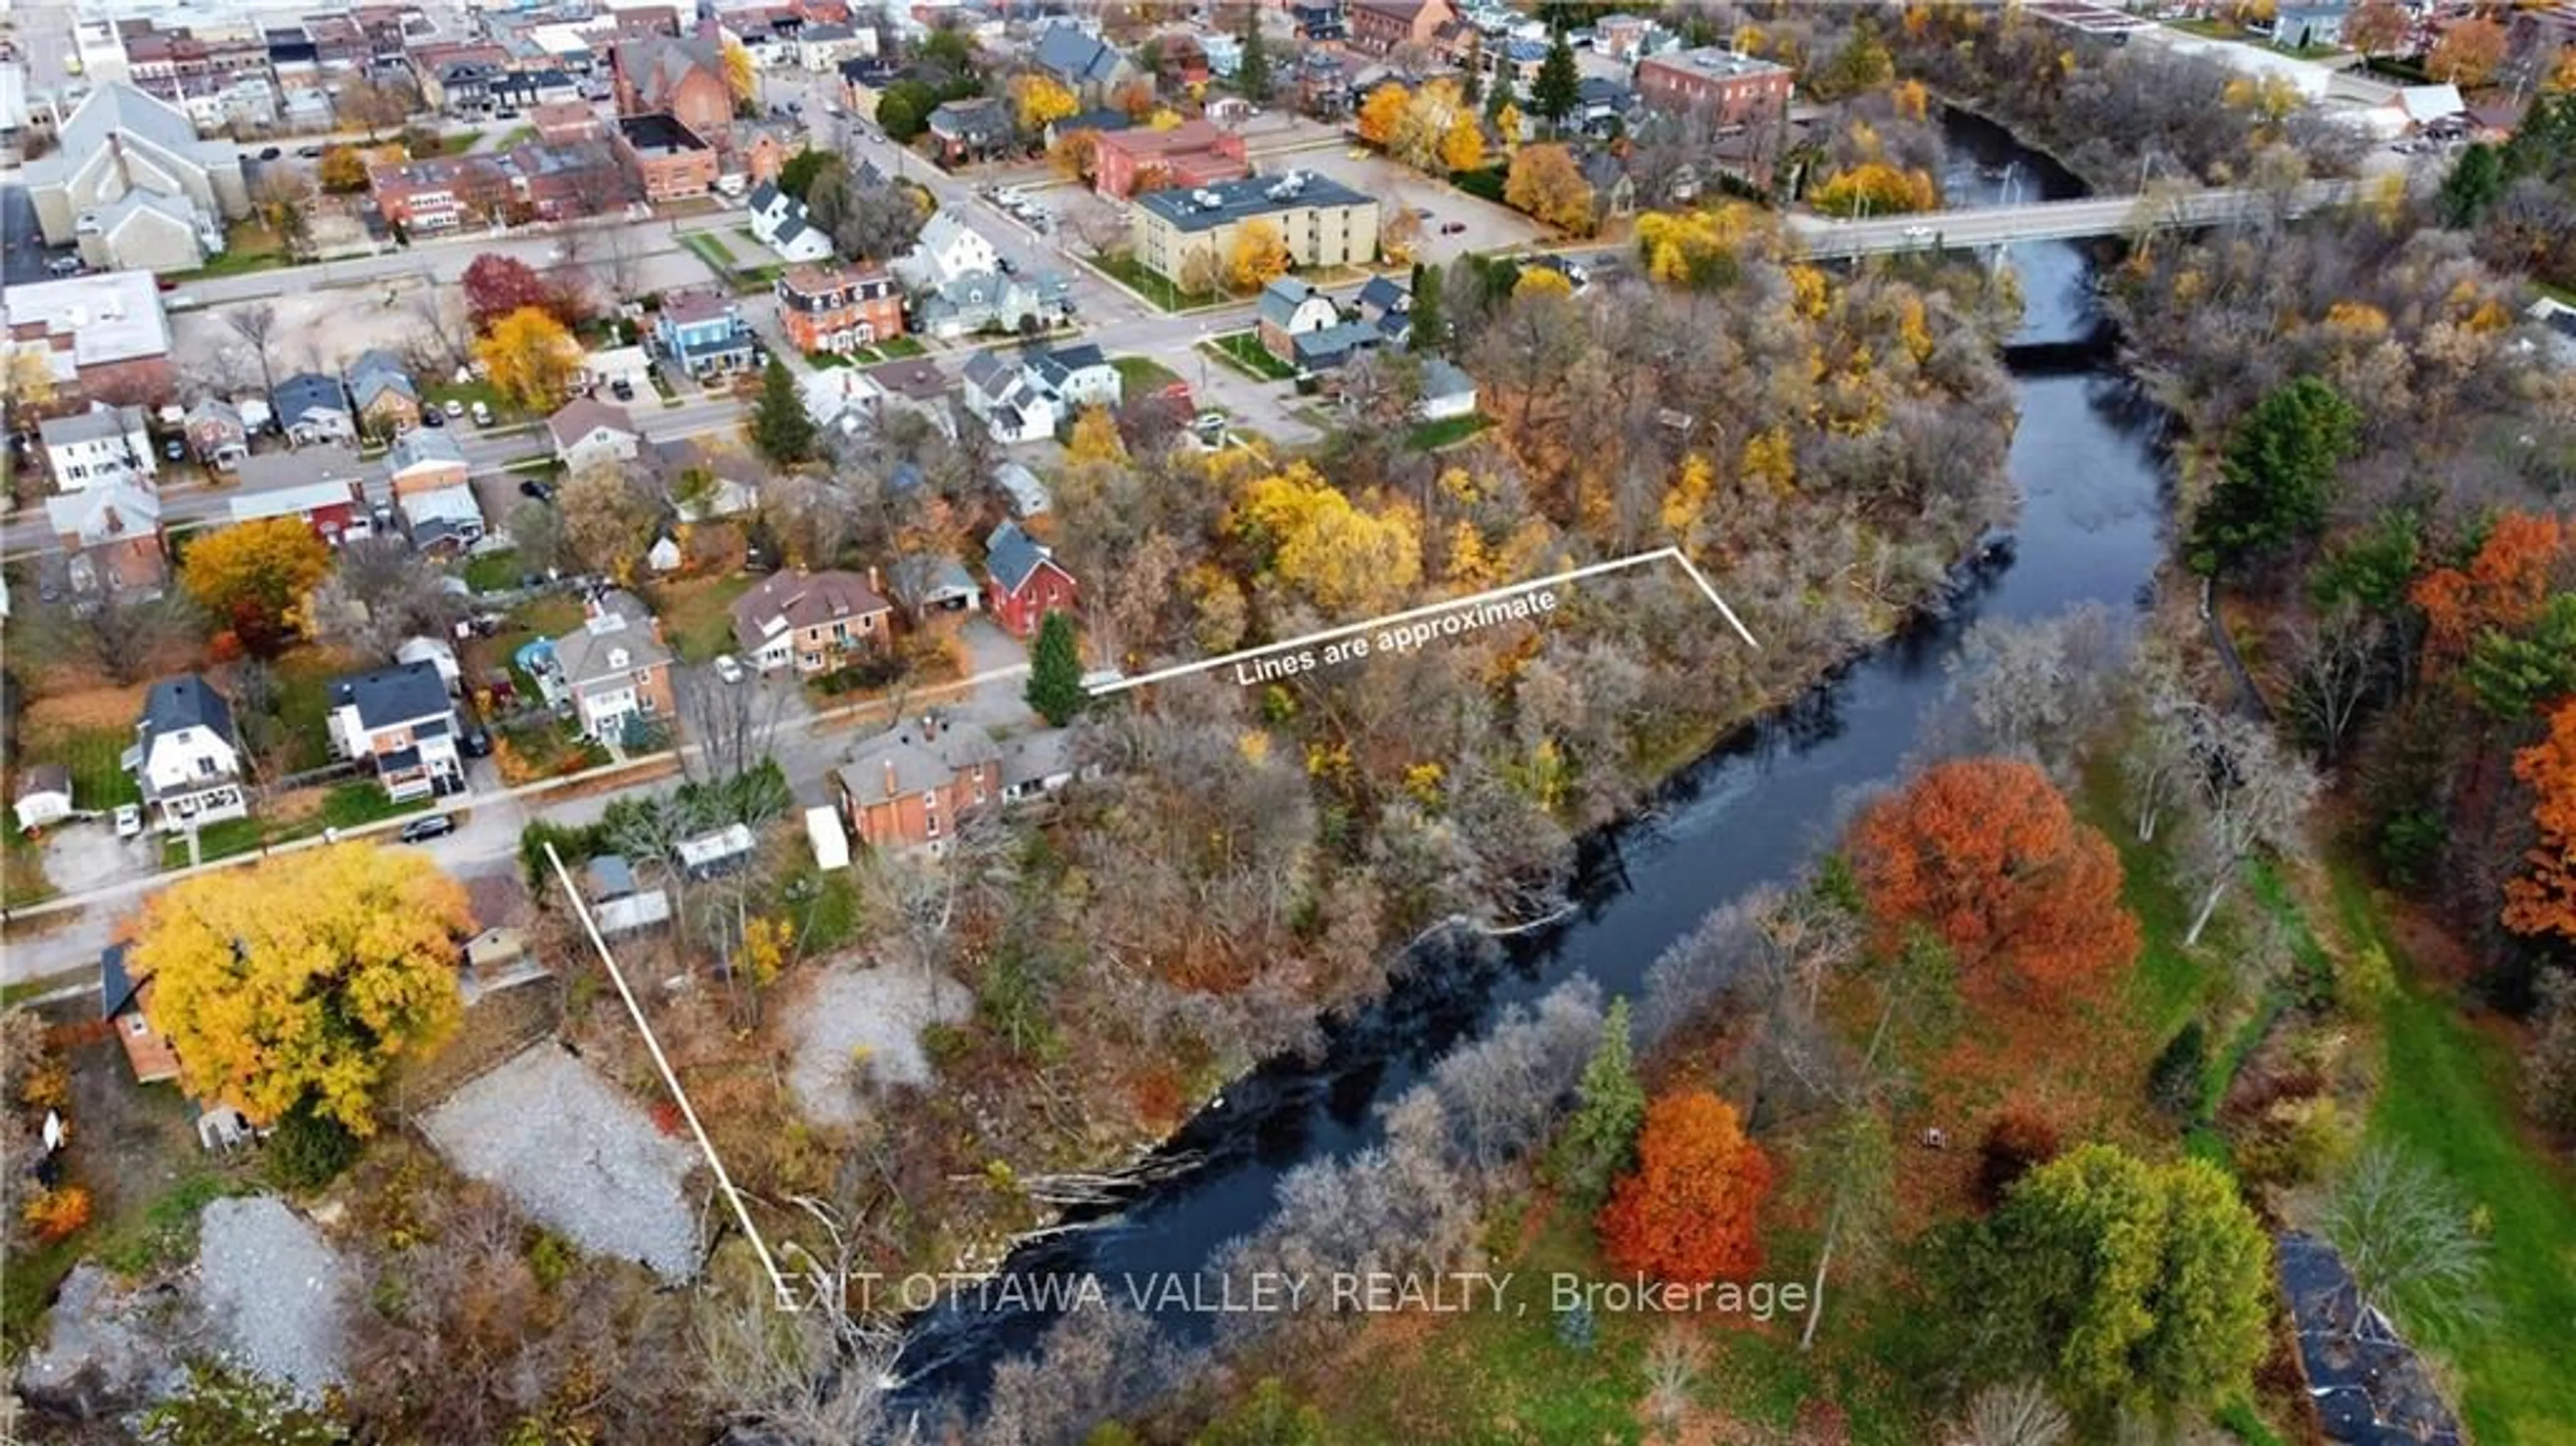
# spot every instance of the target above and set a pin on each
(881, 1011)
(273, 1291)
(577, 1154)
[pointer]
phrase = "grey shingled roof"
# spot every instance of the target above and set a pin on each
(186, 701)
(388, 697)
(1011, 555)
(919, 765)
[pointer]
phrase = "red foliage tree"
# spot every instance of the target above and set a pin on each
(2543, 901)
(1686, 1214)
(497, 285)
(2504, 586)
(1986, 855)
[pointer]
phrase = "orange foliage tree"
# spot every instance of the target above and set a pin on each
(2543, 901)
(2504, 586)
(1686, 1214)
(1985, 854)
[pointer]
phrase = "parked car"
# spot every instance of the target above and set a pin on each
(129, 820)
(530, 487)
(308, 153)
(475, 743)
(432, 417)
(64, 266)
(622, 389)
(454, 409)
(728, 669)
(1452, 228)
(422, 830)
(174, 450)
(268, 153)
(482, 415)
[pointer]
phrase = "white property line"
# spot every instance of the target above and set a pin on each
(741, 1212)
(1182, 670)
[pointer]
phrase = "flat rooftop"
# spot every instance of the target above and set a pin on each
(1204, 208)
(1717, 60)
(658, 134)
(113, 316)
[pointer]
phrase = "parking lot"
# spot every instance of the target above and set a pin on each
(1484, 226)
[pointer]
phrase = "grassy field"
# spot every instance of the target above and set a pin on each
(1447, 432)
(1142, 375)
(2448, 1096)
(1242, 350)
(492, 571)
(220, 840)
(1152, 285)
(697, 614)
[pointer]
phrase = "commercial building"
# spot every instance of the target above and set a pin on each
(104, 337)
(1729, 88)
(1191, 154)
(1187, 235)
(666, 159)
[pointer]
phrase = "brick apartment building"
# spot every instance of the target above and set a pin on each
(666, 159)
(839, 308)
(1191, 154)
(1379, 26)
(441, 193)
(1729, 88)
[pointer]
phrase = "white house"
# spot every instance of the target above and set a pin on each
(100, 446)
(946, 249)
(779, 220)
(588, 433)
(1009, 399)
(842, 397)
(1078, 376)
(44, 796)
(400, 722)
(1446, 391)
(186, 756)
(446, 519)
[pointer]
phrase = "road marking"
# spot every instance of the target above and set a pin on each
(689, 1112)
(1183, 670)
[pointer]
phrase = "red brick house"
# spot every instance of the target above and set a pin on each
(1191, 154)
(839, 308)
(1179, 60)
(126, 1002)
(1023, 582)
(441, 193)
(1379, 26)
(909, 788)
(1729, 88)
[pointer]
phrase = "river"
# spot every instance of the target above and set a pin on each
(2092, 484)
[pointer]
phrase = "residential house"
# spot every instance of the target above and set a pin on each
(312, 408)
(1223, 51)
(400, 723)
(131, 185)
(1028, 495)
(624, 372)
(1319, 20)
(1076, 376)
(920, 386)
(975, 129)
(703, 331)
(1377, 27)
(1621, 36)
(217, 436)
(680, 78)
(665, 159)
(104, 338)
(1324, 350)
(1385, 304)
(929, 584)
(186, 756)
(1189, 155)
(946, 249)
(426, 459)
(125, 1001)
(444, 521)
(2308, 23)
(842, 400)
(1080, 62)
(1614, 191)
(703, 482)
(838, 308)
(381, 389)
(615, 667)
(1012, 403)
(104, 446)
(813, 621)
(1602, 107)
(820, 49)
(438, 654)
(1181, 62)
(1447, 392)
(1023, 582)
(1730, 88)
(44, 796)
(336, 509)
(111, 542)
(910, 787)
(1291, 308)
(1188, 234)
(780, 222)
(440, 193)
(979, 301)
(1098, 121)
(589, 433)
(864, 79)
(1037, 764)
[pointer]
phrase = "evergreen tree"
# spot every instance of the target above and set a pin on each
(1600, 1141)
(1498, 95)
(1253, 78)
(1428, 330)
(780, 426)
(1559, 87)
(2475, 182)
(2277, 479)
(1055, 672)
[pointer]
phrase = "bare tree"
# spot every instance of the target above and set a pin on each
(730, 726)
(2334, 666)
(442, 322)
(1673, 1366)
(809, 1377)
(922, 896)
(125, 638)
(2407, 1236)
(2015, 1414)
(256, 324)
(2250, 794)
(381, 593)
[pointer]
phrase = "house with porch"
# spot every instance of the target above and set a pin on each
(615, 667)
(704, 333)
(811, 621)
(399, 722)
(186, 756)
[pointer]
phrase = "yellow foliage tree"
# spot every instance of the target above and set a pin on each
(1912, 100)
(1541, 281)
(1545, 182)
(766, 943)
(1259, 257)
(741, 76)
(1703, 248)
(1771, 459)
(28, 378)
(304, 979)
(1509, 123)
(529, 358)
(255, 577)
(2468, 53)
(1809, 291)
(1876, 188)
(1163, 119)
(1095, 437)
(1688, 496)
(1346, 559)
(1039, 101)
(1463, 147)
(1381, 111)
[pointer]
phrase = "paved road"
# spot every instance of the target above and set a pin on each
(2053, 220)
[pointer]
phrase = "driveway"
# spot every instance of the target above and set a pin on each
(88, 854)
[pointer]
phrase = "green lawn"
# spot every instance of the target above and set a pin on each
(900, 347)
(364, 801)
(1142, 375)
(1447, 432)
(1242, 350)
(697, 615)
(492, 572)
(1155, 287)
(2448, 1096)
(515, 137)
(95, 757)
(711, 249)
(214, 841)
(303, 707)
(459, 143)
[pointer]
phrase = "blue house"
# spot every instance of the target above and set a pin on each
(704, 333)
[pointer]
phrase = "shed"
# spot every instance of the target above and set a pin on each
(495, 949)
(720, 852)
(44, 796)
(831, 845)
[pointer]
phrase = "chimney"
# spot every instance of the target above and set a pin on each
(875, 586)
(889, 778)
